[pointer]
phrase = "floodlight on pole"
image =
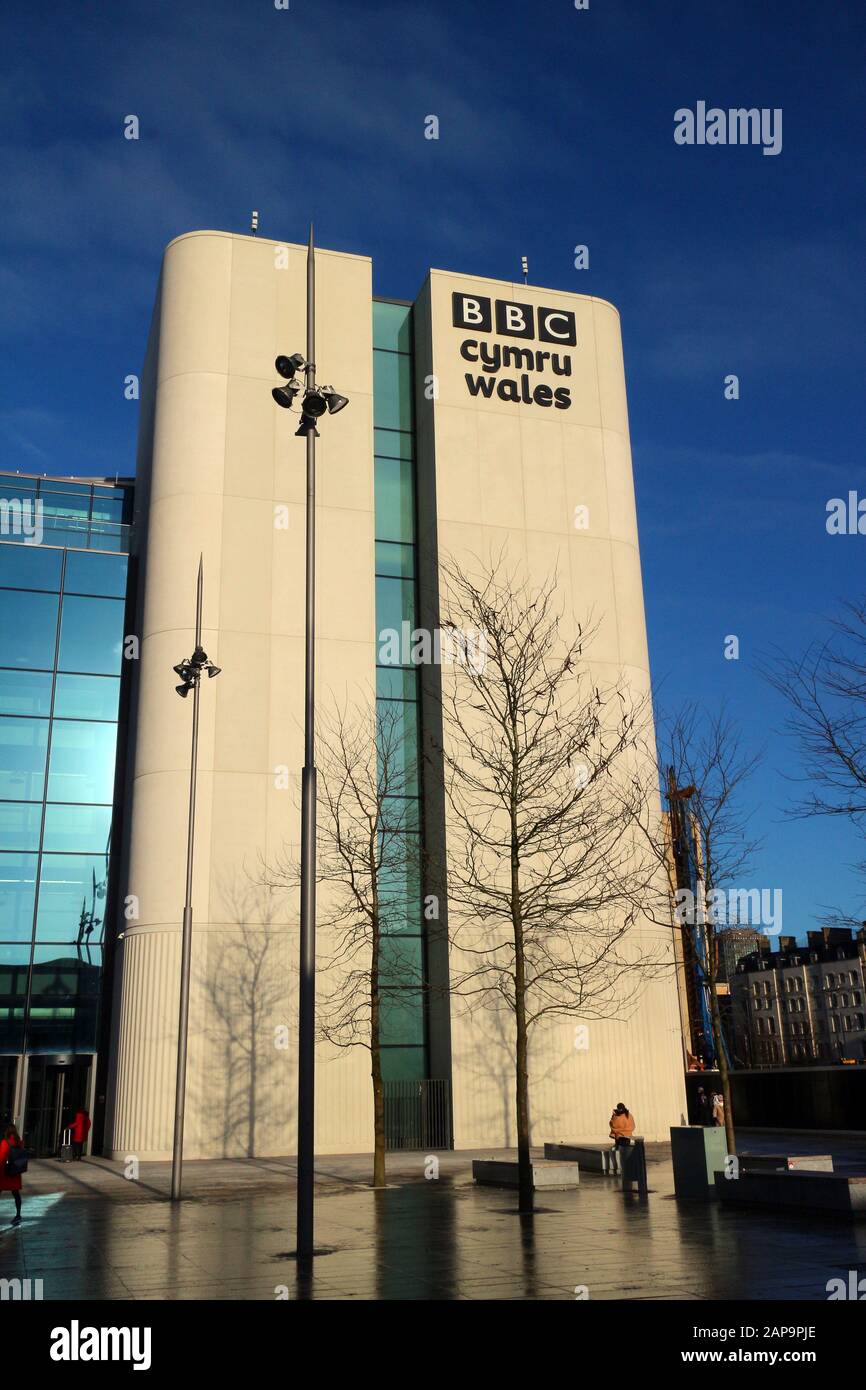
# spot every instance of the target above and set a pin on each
(190, 672)
(317, 401)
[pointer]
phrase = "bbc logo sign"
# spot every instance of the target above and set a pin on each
(513, 320)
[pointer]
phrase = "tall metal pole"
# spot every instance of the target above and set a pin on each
(307, 994)
(186, 938)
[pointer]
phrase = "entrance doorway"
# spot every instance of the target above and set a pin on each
(56, 1088)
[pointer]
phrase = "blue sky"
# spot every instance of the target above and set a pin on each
(556, 129)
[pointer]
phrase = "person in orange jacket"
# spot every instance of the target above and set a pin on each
(79, 1129)
(11, 1181)
(621, 1130)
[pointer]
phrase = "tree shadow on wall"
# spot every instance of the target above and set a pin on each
(241, 1079)
(486, 1065)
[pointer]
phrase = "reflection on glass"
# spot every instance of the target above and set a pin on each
(89, 572)
(78, 829)
(91, 635)
(29, 566)
(25, 692)
(23, 744)
(82, 761)
(28, 629)
(20, 824)
(14, 971)
(72, 893)
(86, 697)
(17, 896)
(64, 1000)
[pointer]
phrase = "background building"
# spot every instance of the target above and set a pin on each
(804, 1004)
(484, 413)
(63, 581)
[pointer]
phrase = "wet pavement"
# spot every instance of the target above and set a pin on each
(89, 1233)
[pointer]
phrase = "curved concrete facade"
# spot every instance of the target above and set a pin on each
(221, 474)
(224, 476)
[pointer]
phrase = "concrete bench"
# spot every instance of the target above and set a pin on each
(502, 1172)
(830, 1192)
(592, 1158)
(784, 1163)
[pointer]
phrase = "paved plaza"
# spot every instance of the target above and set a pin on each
(89, 1233)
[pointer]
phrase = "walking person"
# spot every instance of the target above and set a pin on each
(718, 1109)
(621, 1130)
(13, 1162)
(79, 1129)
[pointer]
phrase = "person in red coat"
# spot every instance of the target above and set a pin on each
(80, 1128)
(11, 1182)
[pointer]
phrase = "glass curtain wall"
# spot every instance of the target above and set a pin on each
(404, 1033)
(61, 649)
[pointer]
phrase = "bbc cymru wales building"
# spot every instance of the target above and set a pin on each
(484, 415)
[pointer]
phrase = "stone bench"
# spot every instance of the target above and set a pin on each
(830, 1192)
(784, 1163)
(502, 1172)
(592, 1158)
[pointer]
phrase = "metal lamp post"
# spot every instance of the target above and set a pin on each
(190, 673)
(316, 400)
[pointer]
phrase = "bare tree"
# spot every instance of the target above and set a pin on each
(825, 690)
(545, 876)
(368, 857)
(708, 768)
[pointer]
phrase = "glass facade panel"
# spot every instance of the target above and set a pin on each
(91, 635)
(395, 500)
(88, 572)
(404, 1063)
(30, 567)
(396, 683)
(81, 766)
(400, 887)
(14, 973)
(393, 444)
(23, 745)
(54, 858)
(401, 1013)
(17, 896)
(395, 561)
(80, 829)
(62, 503)
(401, 961)
(25, 692)
(71, 898)
(395, 604)
(64, 1000)
(86, 697)
(392, 326)
(392, 387)
(28, 629)
(20, 827)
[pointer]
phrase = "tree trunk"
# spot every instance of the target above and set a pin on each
(526, 1193)
(376, 1061)
(378, 1120)
(718, 1043)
